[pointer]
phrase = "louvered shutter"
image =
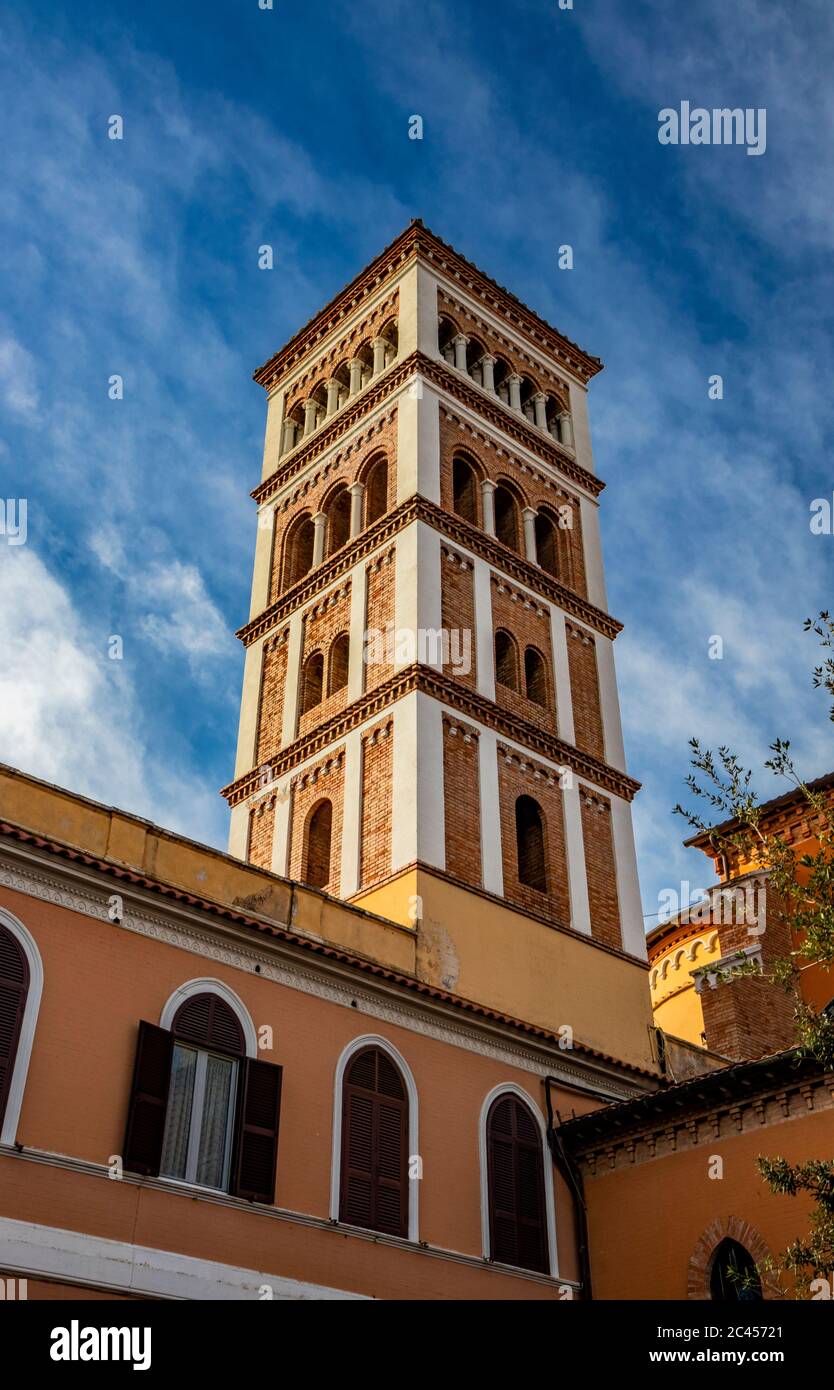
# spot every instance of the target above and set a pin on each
(207, 1020)
(374, 1178)
(148, 1100)
(256, 1145)
(14, 987)
(517, 1222)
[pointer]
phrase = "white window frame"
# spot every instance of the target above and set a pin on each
(20, 1068)
(509, 1088)
(195, 1130)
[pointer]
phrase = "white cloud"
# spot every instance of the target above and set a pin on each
(18, 378)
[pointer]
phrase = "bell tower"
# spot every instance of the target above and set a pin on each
(430, 722)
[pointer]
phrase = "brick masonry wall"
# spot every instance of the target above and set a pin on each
(529, 623)
(341, 353)
(377, 802)
(346, 465)
(462, 800)
(324, 621)
(746, 1016)
(524, 777)
(584, 687)
(458, 615)
(600, 867)
(380, 574)
(533, 487)
(499, 346)
(261, 832)
(273, 686)
(324, 780)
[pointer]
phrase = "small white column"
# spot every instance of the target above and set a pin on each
(355, 375)
(289, 723)
(310, 415)
(461, 343)
(319, 529)
(488, 365)
(379, 345)
(488, 499)
(288, 436)
(580, 910)
(514, 383)
(539, 407)
(566, 429)
(357, 492)
(333, 395)
(492, 867)
(351, 816)
(529, 518)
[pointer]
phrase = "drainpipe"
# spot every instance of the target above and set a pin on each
(573, 1177)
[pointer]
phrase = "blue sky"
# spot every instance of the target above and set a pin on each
(290, 126)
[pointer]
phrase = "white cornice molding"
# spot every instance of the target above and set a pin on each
(26, 872)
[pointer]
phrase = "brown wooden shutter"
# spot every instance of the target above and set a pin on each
(148, 1100)
(256, 1144)
(517, 1221)
(374, 1177)
(14, 987)
(208, 1021)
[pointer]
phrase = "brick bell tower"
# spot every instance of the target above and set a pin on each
(429, 722)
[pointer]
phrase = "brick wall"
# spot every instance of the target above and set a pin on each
(380, 573)
(462, 800)
(521, 776)
(346, 465)
(746, 1016)
(528, 622)
(584, 688)
(458, 614)
(534, 487)
(324, 621)
(324, 779)
(341, 353)
(600, 867)
(271, 706)
(377, 802)
(261, 831)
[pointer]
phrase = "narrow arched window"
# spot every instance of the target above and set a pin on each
(506, 517)
(529, 835)
(733, 1276)
(207, 1047)
(506, 660)
(376, 492)
(298, 551)
(464, 488)
(338, 520)
(535, 677)
(14, 988)
(374, 1176)
(515, 1178)
(312, 682)
(546, 546)
(316, 864)
(338, 661)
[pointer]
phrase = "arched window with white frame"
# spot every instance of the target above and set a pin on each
(21, 984)
(517, 1208)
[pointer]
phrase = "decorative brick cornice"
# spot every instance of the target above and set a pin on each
(417, 241)
(451, 692)
(489, 407)
(419, 508)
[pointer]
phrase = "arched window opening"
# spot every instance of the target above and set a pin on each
(535, 676)
(298, 551)
(529, 835)
(515, 1182)
(552, 410)
(376, 492)
(733, 1276)
(547, 549)
(465, 490)
(208, 1043)
(339, 659)
(506, 660)
(374, 1176)
(446, 333)
(528, 390)
(312, 682)
(501, 373)
(337, 512)
(14, 988)
(317, 848)
(506, 517)
(475, 351)
(392, 337)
